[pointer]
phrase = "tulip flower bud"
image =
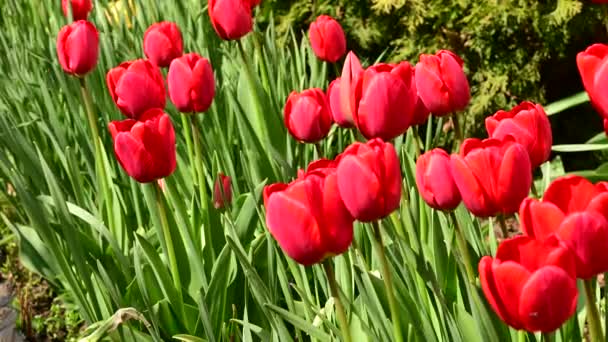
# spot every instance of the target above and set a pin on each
(421, 113)
(385, 100)
(333, 95)
(441, 83)
(529, 125)
(492, 176)
(78, 47)
(592, 65)
(146, 148)
(351, 72)
(80, 8)
(222, 192)
(369, 180)
(136, 87)
(530, 284)
(435, 182)
(191, 83)
(307, 217)
(231, 19)
(307, 115)
(327, 39)
(163, 43)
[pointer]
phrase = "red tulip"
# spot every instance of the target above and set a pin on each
(493, 176)
(231, 19)
(222, 191)
(369, 180)
(327, 39)
(78, 47)
(146, 148)
(529, 125)
(435, 182)
(307, 115)
(530, 284)
(441, 83)
(385, 100)
(191, 83)
(421, 113)
(80, 8)
(593, 67)
(333, 96)
(163, 43)
(576, 211)
(307, 217)
(351, 72)
(135, 87)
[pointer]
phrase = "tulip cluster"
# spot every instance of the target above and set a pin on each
(312, 217)
(144, 144)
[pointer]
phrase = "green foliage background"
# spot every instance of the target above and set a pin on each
(509, 46)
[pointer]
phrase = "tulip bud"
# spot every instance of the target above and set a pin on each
(351, 72)
(592, 66)
(327, 39)
(136, 87)
(307, 217)
(333, 95)
(435, 182)
(78, 47)
(163, 43)
(492, 176)
(191, 83)
(529, 125)
(222, 192)
(80, 8)
(146, 148)
(385, 100)
(231, 19)
(307, 115)
(530, 284)
(369, 180)
(441, 83)
(421, 113)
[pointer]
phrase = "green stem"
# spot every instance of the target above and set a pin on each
(319, 150)
(200, 179)
(417, 141)
(547, 337)
(386, 274)
(188, 137)
(593, 315)
(457, 131)
(464, 250)
(534, 190)
(522, 336)
(103, 178)
(503, 226)
(333, 285)
(160, 206)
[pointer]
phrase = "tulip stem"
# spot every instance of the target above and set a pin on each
(457, 130)
(547, 337)
(168, 240)
(534, 190)
(200, 179)
(319, 150)
(593, 315)
(386, 274)
(102, 177)
(188, 137)
(340, 313)
(464, 250)
(503, 226)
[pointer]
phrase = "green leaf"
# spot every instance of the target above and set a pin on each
(567, 103)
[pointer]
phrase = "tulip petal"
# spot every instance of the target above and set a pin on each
(514, 179)
(570, 193)
(359, 202)
(539, 219)
(548, 299)
(473, 195)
